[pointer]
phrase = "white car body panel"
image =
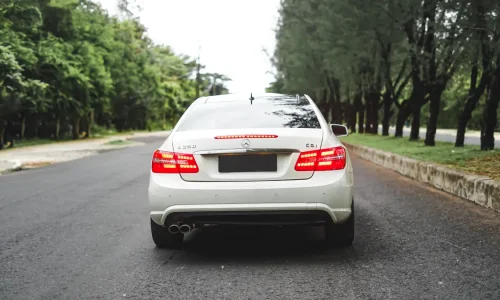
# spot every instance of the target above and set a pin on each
(288, 139)
(284, 190)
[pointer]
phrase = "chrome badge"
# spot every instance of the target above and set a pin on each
(245, 143)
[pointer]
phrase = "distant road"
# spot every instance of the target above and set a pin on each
(449, 135)
(80, 230)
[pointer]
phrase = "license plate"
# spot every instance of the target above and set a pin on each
(248, 163)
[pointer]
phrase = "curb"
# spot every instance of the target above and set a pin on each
(15, 167)
(479, 189)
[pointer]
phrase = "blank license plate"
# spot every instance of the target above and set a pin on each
(248, 163)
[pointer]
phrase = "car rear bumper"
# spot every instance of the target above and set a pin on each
(326, 196)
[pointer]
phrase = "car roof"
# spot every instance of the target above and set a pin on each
(257, 98)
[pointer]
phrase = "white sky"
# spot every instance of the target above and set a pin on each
(231, 34)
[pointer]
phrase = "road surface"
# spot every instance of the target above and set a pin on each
(80, 230)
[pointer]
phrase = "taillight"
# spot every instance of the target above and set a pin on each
(169, 162)
(306, 161)
(322, 160)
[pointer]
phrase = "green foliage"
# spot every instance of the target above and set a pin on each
(66, 66)
(366, 50)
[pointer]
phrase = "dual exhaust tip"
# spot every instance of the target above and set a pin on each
(184, 228)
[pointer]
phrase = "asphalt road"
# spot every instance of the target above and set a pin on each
(80, 230)
(450, 138)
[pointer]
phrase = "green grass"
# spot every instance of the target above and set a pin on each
(468, 158)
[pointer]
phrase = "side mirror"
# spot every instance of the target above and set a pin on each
(339, 130)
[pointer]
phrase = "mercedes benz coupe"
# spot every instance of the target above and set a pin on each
(269, 159)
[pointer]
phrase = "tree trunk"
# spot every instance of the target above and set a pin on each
(58, 127)
(415, 125)
(469, 106)
(332, 117)
(361, 119)
(324, 107)
(76, 128)
(489, 121)
(462, 127)
(35, 126)
(90, 122)
(415, 106)
(2, 131)
(337, 112)
(435, 101)
(23, 125)
(387, 113)
(403, 114)
(374, 107)
(368, 115)
(466, 115)
(337, 106)
(350, 117)
(359, 111)
(473, 98)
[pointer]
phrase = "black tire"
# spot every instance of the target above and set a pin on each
(341, 234)
(164, 239)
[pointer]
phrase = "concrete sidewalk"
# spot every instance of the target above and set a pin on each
(39, 155)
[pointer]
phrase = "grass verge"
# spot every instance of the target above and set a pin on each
(469, 158)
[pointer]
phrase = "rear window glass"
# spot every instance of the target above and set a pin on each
(262, 113)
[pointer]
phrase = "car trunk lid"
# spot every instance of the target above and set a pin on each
(247, 154)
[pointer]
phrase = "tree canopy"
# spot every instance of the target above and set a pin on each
(434, 62)
(68, 67)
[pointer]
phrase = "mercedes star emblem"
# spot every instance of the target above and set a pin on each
(245, 143)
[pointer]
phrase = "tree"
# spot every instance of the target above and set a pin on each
(68, 68)
(358, 57)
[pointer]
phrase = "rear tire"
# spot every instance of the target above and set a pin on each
(164, 239)
(341, 234)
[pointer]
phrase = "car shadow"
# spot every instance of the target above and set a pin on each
(258, 244)
(279, 245)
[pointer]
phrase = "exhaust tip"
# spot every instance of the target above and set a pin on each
(185, 228)
(173, 229)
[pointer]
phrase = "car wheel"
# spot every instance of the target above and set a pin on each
(341, 234)
(164, 239)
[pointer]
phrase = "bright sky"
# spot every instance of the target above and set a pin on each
(231, 34)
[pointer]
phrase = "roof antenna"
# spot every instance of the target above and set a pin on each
(251, 98)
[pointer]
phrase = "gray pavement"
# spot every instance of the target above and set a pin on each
(80, 230)
(449, 135)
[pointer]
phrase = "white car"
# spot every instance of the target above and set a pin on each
(270, 159)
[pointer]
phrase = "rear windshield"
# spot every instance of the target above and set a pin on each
(262, 113)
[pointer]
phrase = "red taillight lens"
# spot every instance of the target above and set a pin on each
(169, 162)
(331, 159)
(322, 160)
(306, 161)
